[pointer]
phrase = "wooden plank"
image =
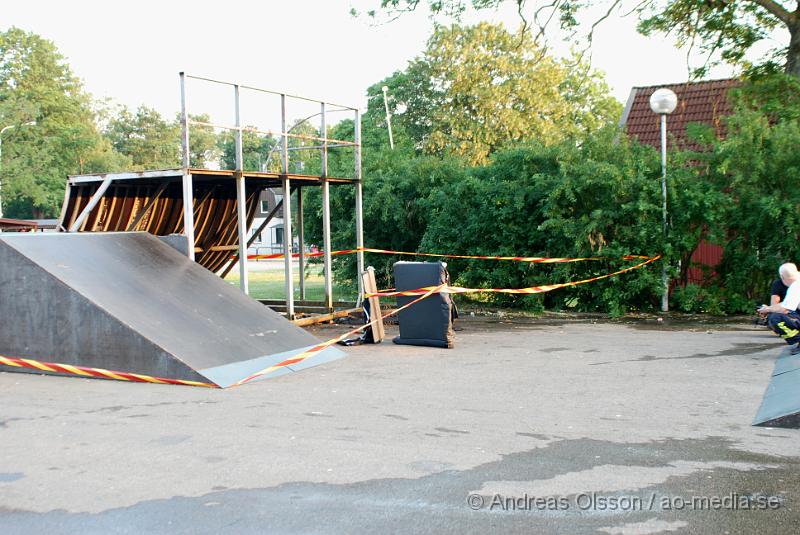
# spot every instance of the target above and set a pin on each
(370, 286)
(150, 202)
(321, 318)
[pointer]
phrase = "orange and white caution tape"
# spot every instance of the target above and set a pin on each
(54, 367)
(297, 255)
(530, 290)
(423, 293)
(319, 347)
(530, 259)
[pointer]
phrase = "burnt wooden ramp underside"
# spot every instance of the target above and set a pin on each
(157, 208)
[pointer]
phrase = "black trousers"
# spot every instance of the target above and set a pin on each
(787, 326)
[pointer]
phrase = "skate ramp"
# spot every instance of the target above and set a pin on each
(128, 302)
(781, 404)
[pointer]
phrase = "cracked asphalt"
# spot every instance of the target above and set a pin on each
(526, 426)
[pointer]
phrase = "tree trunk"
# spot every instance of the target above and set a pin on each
(793, 54)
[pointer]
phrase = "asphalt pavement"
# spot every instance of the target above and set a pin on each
(525, 427)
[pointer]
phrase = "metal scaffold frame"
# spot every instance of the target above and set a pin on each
(324, 144)
(213, 208)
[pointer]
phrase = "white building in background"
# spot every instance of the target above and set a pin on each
(270, 240)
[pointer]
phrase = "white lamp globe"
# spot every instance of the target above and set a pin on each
(663, 101)
(385, 88)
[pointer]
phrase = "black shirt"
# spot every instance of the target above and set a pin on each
(778, 288)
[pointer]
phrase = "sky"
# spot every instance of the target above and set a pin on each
(132, 52)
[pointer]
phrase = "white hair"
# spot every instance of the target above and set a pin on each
(787, 270)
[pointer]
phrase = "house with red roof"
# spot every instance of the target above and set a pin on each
(703, 102)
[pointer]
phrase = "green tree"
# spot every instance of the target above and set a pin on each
(307, 161)
(396, 189)
(203, 146)
(255, 150)
(598, 198)
(758, 165)
(726, 30)
(150, 141)
(591, 108)
(411, 101)
(36, 84)
(722, 29)
(774, 94)
(479, 88)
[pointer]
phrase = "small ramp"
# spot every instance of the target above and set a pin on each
(781, 404)
(130, 303)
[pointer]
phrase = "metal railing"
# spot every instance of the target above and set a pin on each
(322, 142)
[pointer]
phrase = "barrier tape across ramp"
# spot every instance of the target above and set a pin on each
(101, 373)
(423, 293)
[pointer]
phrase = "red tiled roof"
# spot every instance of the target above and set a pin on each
(698, 102)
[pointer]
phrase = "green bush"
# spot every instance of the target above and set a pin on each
(600, 198)
(758, 166)
(594, 197)
(695, 299)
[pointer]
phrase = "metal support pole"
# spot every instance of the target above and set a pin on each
(184, 124)
(241, 201)
(326, 216)
(1, 170)
(359, 204)
(301, 254)
(326, 244)
(388, 116)
(287, 246)
(287, 213)
(664, 274)
(188, 212)
(188, 193)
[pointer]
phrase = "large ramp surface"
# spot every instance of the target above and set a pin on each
(130, 303)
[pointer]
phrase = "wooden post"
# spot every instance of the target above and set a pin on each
(370, 286)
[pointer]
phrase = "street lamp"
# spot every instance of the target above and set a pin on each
(663, 102)
(9, 127)
(385, 90)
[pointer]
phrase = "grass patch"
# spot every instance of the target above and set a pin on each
(270, 284)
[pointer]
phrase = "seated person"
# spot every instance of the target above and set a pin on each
(783, 317)
(777, 292)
